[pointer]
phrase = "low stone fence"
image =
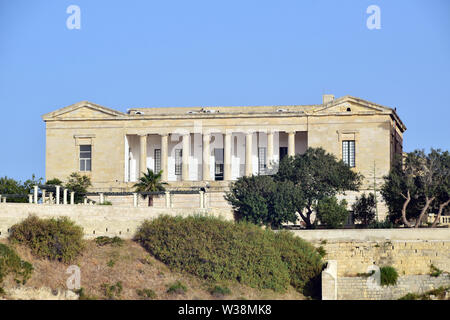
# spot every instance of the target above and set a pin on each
(97, 220)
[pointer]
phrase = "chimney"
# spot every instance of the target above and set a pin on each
(327, 98)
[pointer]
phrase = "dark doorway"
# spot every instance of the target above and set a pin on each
(283, 152)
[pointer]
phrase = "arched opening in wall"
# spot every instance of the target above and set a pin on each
(349, 109)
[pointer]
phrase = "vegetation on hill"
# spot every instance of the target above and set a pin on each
(55, 239)
(11, 263)
(219, 250)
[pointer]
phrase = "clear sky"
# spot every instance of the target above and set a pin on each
(196, 53)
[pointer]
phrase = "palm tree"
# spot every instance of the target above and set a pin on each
(150, 182)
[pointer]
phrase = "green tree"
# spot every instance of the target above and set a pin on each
(260, 200)
(79, 184)
(417, 184)
(317, 175)
(364, 209)
(54, 181)
(11, 186)
(331, 213)
(150, 182)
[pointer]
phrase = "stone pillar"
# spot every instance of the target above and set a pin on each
(50, 197)
(135, 199)
(65, 196)
(143, 157)
(202, 200)
(43, 196)
(35, 193)
(0, 198)
(102, 198)
(329, 281)
(269, 149)
(227, 156)
(206, 157)
(167, 199)
(185, 157)
(85, 200)
(30, 198)
(248, 154)
(72, 197)
(164, 157)
(4, 199)
(291, 143)
(58, 189)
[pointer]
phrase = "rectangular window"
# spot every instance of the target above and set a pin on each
(218, 168)
(178, 161)
(85, 157)
(348, 152)
(262, 160)
(157, 160)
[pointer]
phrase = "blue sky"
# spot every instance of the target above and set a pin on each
(184, 53)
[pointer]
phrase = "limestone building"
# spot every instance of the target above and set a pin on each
(210, 146)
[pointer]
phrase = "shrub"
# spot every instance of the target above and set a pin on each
(146, 293)
(83, 296)
(177, 288)
(78, 184)
(303, 261)
(388, 276)
(104, 240)
(434, 271)
(55, 239)
(386, 224)
(11, 263)
(219, 291)
(112, 291)
(219, 250)
(364, 209)
(331, 213)
(105, 203)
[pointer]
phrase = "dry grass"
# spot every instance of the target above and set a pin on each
(135, 269)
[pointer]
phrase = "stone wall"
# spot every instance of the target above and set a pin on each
(357, 288)
(410, 251)
(97, 220)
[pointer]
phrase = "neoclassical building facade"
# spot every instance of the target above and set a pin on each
(211, 146)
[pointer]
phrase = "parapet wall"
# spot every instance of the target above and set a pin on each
(97, 220)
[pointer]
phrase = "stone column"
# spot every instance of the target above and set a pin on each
(167, 199)
(4, 199)
(58, 189)
(85, 200)
(164, 157)
(65, 196)
(269, 149)
(143, 158)
(50, 197)
(35, 193)
(185, 157)
(227, 156)
(72, 197)
(43, 196)
(206, 157)
(135, 199)
(0, 198)
(30, 198)
(291, 143)
(102, 198)
(248, 154)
